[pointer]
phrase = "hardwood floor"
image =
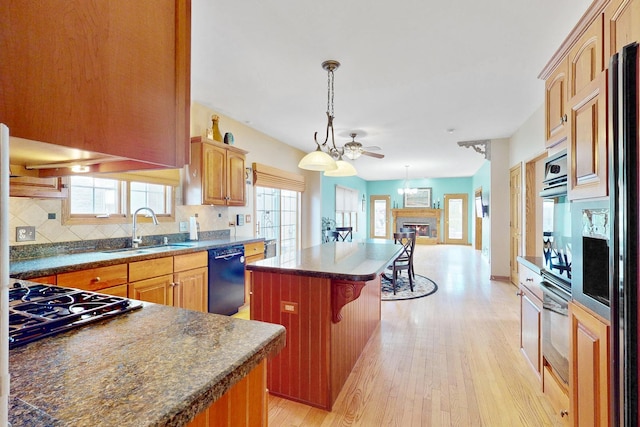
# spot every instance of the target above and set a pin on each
(449, 359)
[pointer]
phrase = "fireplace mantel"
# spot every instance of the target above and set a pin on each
(417, 214)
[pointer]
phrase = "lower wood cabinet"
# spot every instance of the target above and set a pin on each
(252, 252)
(118, 291)
(95, 279)
(244, 405)
(530, 317)
(191, 282)
(588, 368)
(158, 290)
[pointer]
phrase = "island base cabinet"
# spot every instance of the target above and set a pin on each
(244, 405)
(328, 324)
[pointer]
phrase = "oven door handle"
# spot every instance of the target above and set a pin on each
(556, 293)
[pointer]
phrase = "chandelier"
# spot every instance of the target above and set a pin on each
(327, 157)
(405, 187)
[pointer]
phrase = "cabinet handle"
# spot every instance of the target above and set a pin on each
(519, 293)
(172, 284)
(96, 279)
(564, 119)
(564, 413)
(528, 279)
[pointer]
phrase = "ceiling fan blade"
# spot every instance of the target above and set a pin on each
(376, 155)
(372, 148)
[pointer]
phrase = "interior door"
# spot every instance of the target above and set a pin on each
(379, 217)
(515, 223)
(456, 221)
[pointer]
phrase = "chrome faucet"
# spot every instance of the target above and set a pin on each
(135, 240)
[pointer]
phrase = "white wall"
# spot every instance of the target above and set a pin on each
(499, 211)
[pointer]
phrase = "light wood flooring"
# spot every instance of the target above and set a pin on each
(449, 359)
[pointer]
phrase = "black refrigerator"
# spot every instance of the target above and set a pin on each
(623, 258)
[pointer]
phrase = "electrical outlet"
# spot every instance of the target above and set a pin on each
(184, 226)
(25, 234)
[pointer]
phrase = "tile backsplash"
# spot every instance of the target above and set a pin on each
(35, 212)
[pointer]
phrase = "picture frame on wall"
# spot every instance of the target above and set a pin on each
(421, 199)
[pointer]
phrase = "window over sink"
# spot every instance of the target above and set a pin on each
(98, 200)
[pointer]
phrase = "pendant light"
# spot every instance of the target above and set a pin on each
(405, 187)
(321, 158)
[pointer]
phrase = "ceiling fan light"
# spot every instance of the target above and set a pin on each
(317, 160)
(352, 153)
(343, 169)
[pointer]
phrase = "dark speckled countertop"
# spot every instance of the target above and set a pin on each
(356, 261)
(156, 366)
(46, 266)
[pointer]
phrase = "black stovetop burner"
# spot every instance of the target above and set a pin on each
(40, 311)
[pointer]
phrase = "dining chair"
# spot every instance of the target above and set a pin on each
(404, 261)
(409, 230)
(344, 234)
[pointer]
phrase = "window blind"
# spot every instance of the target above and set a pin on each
(268, 176)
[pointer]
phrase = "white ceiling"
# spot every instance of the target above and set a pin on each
(411, 70)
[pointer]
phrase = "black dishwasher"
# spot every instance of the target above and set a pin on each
(226, 279)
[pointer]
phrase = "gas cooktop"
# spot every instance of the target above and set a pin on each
(39, 311)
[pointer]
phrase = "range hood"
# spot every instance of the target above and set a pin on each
(44, 160)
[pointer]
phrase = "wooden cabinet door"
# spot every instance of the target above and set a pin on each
(214, 186)
(236, 194)
(118, 291)
(587, 131)
(158, 290)
(108, 77)
(588, 368)
(622, 25)
(95, 279)
(40, 188)
(556, 106)
(191, 289)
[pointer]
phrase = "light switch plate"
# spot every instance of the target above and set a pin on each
(25, 234)
(184, 226)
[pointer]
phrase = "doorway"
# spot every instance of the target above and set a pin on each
(515, 223)
(379, 215)
(478, 222)
(456, 219)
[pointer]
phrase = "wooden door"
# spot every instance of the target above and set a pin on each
(190, 290)
(589, 368)
(587, 133)
(515, 220)
(236, 193)
(456, 219)
(555, 106)
(214, 175)
(622, 19)
(380, 217)
(478, 220)
(158, 290)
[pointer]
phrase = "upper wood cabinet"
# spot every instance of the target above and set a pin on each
(622, 25)
(102, 76)
(216, 174)
(587, 131)
(556, 105)
(588, 368)
(39, 188)
(191, 281)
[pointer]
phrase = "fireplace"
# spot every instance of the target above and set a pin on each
(425, 221)
(421, 230)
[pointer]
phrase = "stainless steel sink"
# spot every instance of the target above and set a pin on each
(150, 249)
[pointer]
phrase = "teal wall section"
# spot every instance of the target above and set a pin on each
(482, 179)
(439, 187)
(328, 193)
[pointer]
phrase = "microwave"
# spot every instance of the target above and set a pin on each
(591, 239)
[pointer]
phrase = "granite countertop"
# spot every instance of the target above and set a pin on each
(532, 263)
(156, 366)
(46, 266)
(355, 261)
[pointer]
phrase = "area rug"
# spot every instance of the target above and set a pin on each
(422, 286)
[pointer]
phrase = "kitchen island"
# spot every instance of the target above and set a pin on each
(155, 366)
(328, 299)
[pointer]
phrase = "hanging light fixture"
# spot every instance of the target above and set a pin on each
(328, 158)
(405, 187)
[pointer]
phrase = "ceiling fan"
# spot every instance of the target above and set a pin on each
(354, 149)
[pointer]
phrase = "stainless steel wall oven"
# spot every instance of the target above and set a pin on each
(555, 326)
